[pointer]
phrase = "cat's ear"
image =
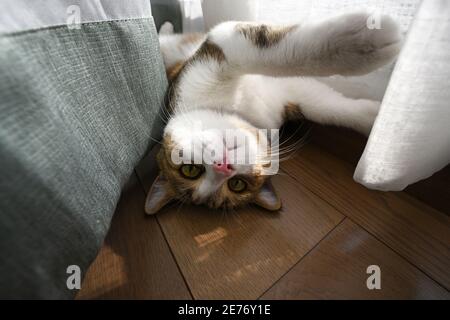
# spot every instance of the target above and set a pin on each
(267, 197)
(160, 194)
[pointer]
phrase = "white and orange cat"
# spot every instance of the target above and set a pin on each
(249, 76)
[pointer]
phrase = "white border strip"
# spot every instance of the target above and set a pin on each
(22, 15)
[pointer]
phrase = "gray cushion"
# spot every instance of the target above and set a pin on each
(78, 108)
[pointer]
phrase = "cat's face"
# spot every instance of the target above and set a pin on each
(229, 173)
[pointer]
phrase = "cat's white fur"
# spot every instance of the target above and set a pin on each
(253, 85)
(258, 83)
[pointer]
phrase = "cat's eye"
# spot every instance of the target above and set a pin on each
(191, 171)
(237, 184)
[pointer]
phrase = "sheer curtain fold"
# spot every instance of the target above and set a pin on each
(411, 137)
(193, 20)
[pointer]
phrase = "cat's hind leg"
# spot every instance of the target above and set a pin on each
(270, 101)
(176, 49)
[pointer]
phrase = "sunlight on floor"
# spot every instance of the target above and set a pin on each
(210, 237)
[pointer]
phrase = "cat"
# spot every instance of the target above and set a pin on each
(247, 76)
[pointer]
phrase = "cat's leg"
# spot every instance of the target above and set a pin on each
(176, 49)
(341, 45)
(269, 101)
(166, 29)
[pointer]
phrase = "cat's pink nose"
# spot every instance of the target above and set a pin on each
(223, 168)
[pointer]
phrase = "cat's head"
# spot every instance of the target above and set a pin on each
(214, 159)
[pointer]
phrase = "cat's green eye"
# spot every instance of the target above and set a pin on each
(237, 184)
(191, 171)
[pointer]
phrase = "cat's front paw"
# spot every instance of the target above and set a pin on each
(360, 42)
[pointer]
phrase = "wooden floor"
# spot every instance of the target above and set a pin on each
(318, 247)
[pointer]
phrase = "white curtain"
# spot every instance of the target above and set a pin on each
(292, 11)
(411, 137)
(192, 13)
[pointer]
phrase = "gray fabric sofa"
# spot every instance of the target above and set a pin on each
(79, 109)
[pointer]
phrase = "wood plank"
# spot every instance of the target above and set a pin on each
(336, 269)
(349, 145)
(344, 143)
(414, 230)
(135, 261)
(434, 191)
(240, 254)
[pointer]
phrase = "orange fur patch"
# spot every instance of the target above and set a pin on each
(292, 112)
(173, 71)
